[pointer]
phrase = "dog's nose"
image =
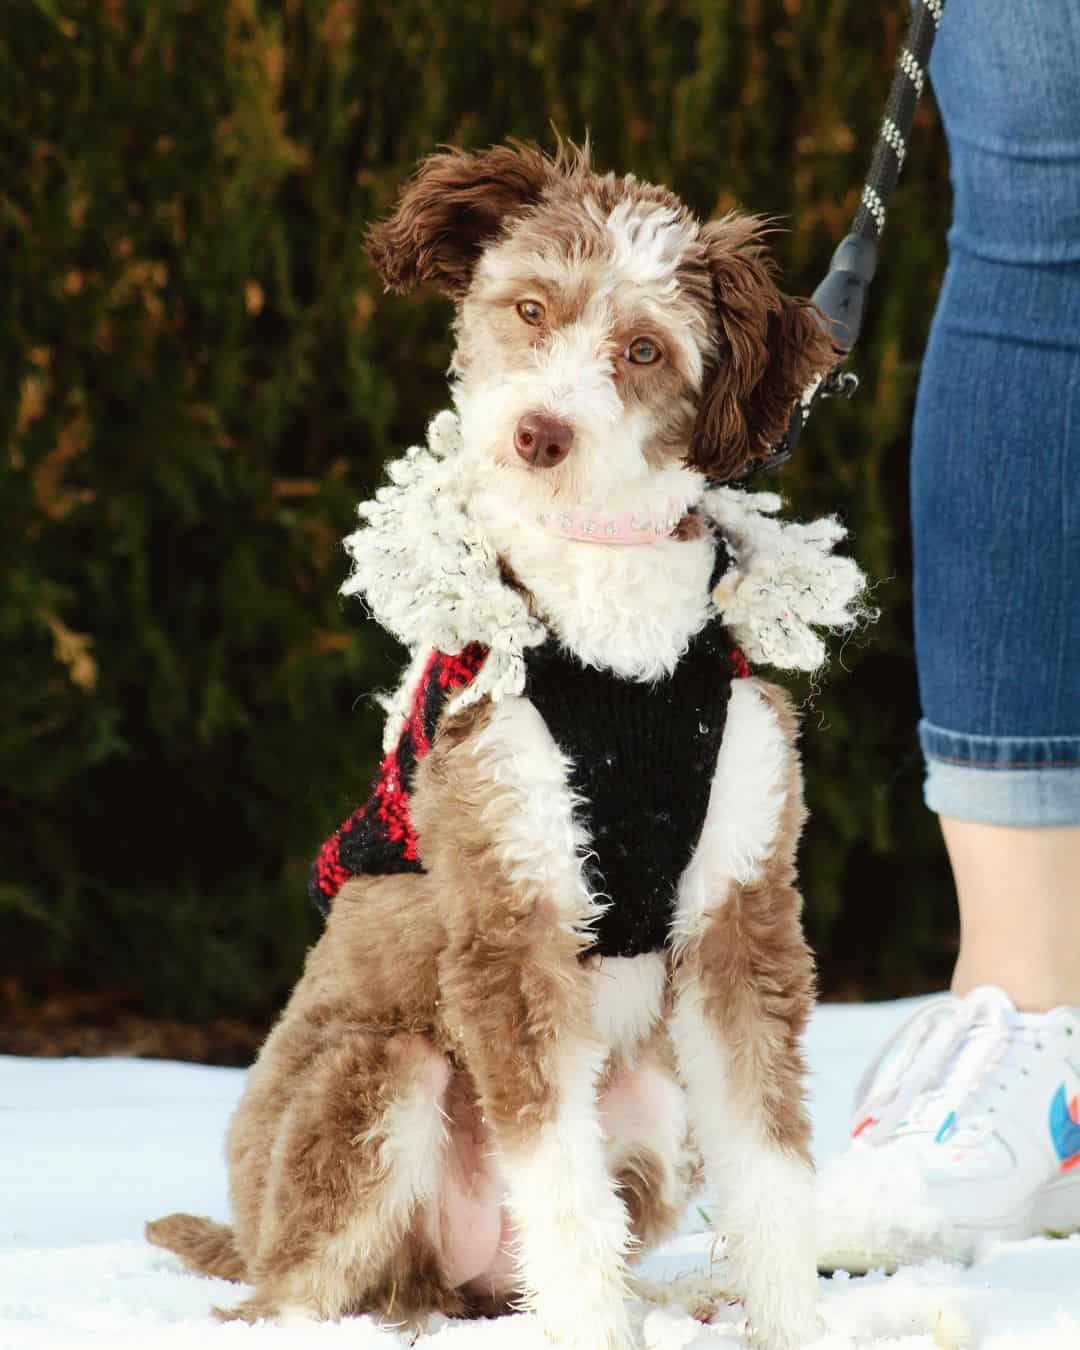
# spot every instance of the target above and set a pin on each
(543, 441)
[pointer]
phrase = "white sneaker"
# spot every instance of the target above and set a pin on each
(966, 1128)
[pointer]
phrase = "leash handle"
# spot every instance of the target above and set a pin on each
(841, 296)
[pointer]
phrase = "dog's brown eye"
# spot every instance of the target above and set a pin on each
(532, 311)
(643, 352)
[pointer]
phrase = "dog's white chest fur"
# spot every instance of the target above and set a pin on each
(629, 608)
(628, 998)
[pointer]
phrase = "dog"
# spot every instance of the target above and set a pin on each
(563, 977)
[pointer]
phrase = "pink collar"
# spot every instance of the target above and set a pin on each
(631, 527)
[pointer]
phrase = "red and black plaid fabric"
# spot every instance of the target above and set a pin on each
(740, 666)
(379, 837)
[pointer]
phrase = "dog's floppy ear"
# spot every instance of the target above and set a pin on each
(769, 347)
(454, 204)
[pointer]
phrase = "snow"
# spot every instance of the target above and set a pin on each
(89, 1149)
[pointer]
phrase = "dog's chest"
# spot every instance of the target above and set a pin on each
(628, 999)
(629, 610)
(642, 750)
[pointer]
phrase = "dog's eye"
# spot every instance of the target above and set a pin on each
(532, 311)
(643, 352)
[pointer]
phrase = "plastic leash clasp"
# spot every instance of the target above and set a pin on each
(841, 297)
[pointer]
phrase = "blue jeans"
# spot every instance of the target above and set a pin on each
(995, 470)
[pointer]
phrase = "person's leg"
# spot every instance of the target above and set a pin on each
(965, 1124)
(1019, 893)
(996, 518)
(996, 500)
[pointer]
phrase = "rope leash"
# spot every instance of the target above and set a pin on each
(841, 296)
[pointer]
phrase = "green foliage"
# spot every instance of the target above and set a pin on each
(199, 378)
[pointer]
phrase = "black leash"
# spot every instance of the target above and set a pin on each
(841, 297)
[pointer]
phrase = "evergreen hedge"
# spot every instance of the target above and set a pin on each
(199, 378)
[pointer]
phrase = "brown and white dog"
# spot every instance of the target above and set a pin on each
(460, 1109)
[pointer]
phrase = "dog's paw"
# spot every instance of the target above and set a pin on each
(577, 1327)
(787, 1328)
(252, 1310)
(780, 1298)
(572, 1243)
(590, 1308)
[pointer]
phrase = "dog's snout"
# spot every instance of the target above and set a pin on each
(543, 441)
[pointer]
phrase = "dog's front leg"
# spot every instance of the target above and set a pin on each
(743, 991)
(496, 824)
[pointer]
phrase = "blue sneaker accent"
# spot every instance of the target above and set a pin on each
(946, 1128)
(1064, 1128)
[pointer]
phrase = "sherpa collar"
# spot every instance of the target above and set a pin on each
(432, 579)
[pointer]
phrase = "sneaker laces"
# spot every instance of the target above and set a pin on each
(992, 1037)
(927, 1038)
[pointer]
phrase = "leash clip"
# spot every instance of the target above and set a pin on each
(840, 299)
(839, 384)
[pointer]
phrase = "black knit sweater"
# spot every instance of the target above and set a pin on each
(643, 757)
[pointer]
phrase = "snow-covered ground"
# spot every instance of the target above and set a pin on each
(91, 1148)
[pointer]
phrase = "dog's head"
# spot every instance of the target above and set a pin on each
(603, 333)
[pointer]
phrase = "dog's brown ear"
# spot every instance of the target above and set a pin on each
(769, 347)
(454, 204)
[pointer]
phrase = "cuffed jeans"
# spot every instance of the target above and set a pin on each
(995, 471)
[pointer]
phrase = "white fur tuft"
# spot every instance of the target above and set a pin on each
(786, 581)
(431, 579)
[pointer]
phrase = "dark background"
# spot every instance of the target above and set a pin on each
(199, 377)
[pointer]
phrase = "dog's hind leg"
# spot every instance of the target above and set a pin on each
(743, 992)
(645, 1123)
(353, 1166)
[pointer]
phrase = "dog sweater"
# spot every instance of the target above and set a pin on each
(643, 756)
